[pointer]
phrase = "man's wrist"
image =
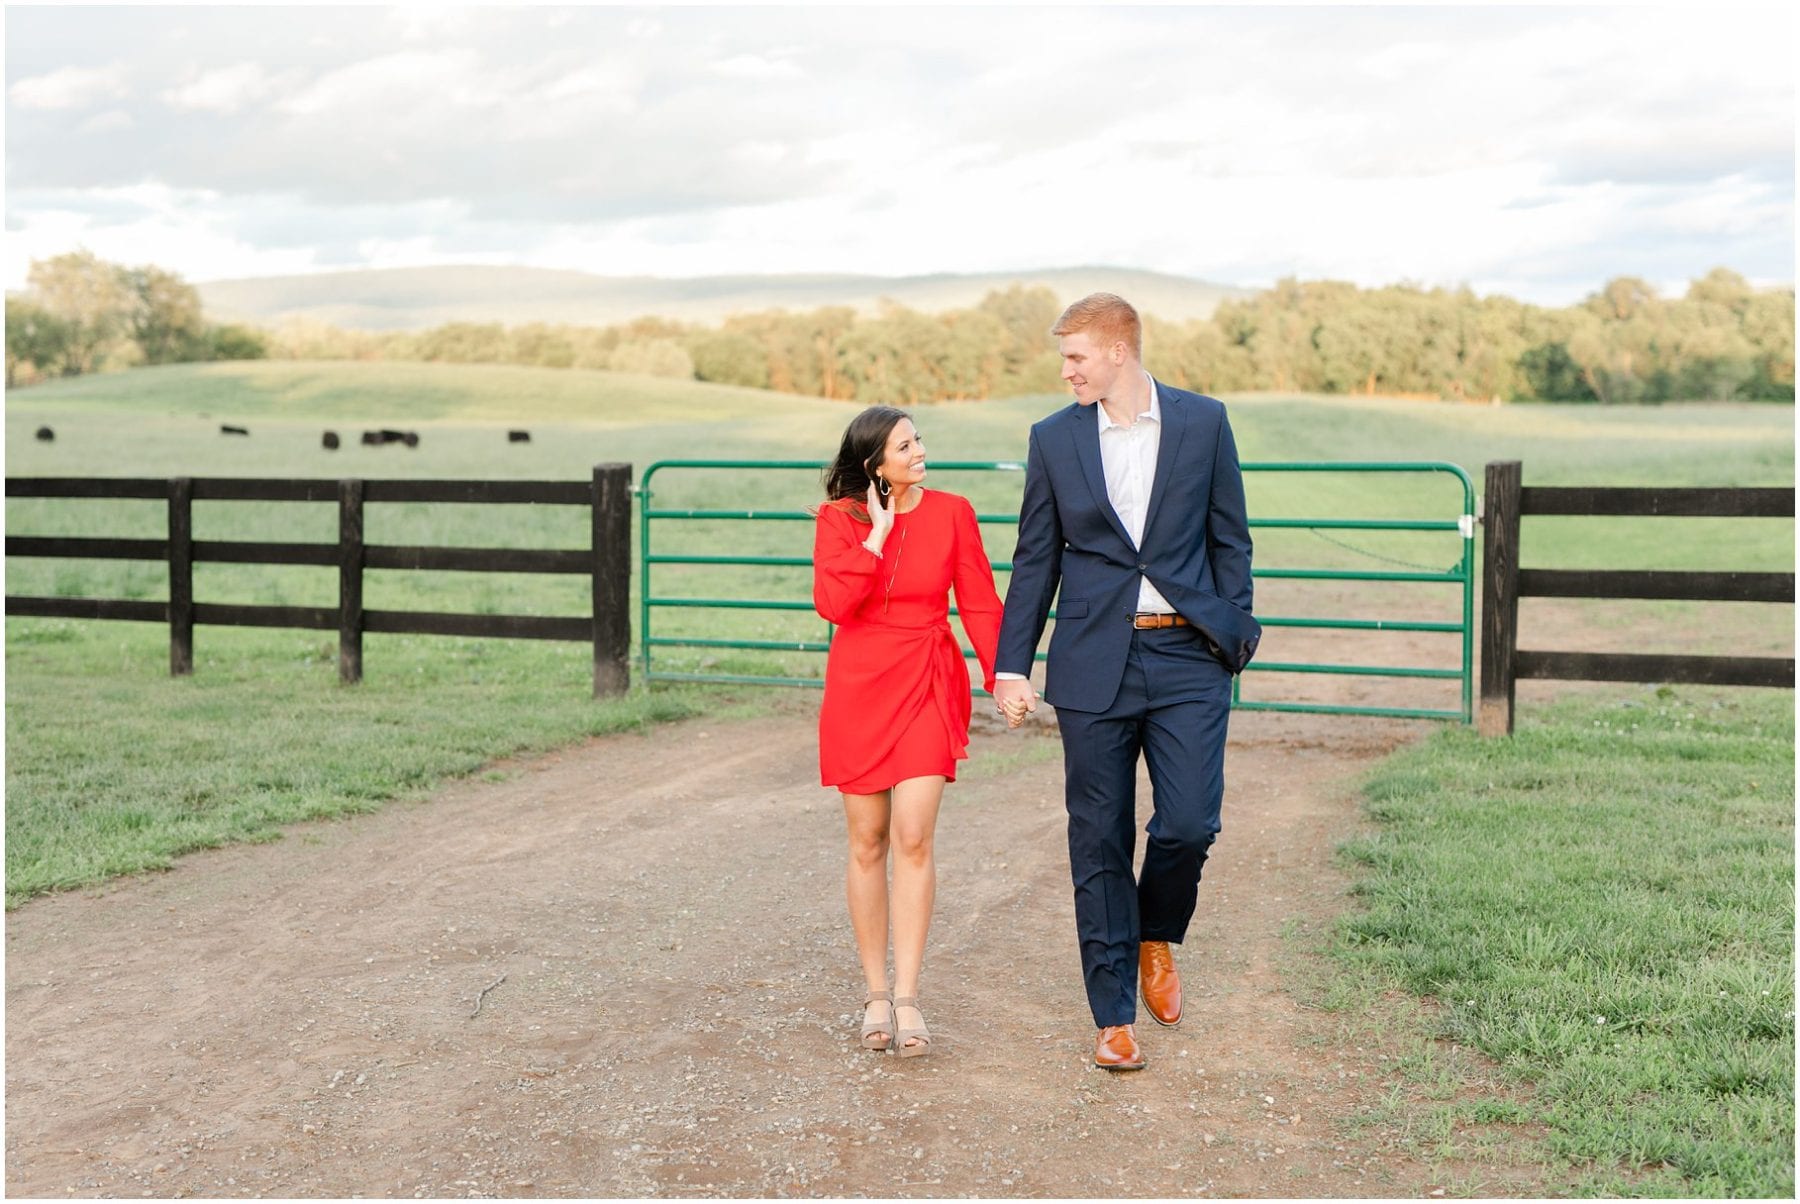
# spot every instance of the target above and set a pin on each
(1010, 677)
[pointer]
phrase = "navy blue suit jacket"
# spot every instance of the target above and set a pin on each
(1196, 550)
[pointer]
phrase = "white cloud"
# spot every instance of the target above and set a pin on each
(1540, 147)
(223, 90)
(374, 88)
(597, 90)
(426, 22)
(755, 67)
(187, 231)
(69, 88)
(108, 121)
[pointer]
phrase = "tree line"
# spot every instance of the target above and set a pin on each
(1721, 340)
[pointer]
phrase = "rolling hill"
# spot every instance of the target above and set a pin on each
(417, 298)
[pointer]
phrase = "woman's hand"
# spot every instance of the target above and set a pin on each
(1013, 700)
(883, 519)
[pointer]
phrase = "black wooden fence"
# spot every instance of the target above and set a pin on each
(607, 561)
(1503, 662)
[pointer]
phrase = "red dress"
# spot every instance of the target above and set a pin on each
(896, 685)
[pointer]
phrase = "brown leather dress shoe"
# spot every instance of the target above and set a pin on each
(1160, 984)
(1116, 1048)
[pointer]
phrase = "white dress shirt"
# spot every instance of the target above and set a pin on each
(1128, 457)
(1128, 460)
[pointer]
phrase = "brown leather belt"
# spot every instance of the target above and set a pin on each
(1150, 620)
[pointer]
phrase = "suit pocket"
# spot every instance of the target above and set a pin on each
(1071, 608)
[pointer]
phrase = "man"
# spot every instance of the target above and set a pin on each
(1134, 503)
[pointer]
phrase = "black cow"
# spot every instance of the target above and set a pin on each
(385, 435)
(46, 435)
(518, 436)
(330, 441)
(225, 428)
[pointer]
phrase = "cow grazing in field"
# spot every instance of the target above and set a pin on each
(377, 438)
(330, 441)
(46, 435)
(225, 428)
(518, 436)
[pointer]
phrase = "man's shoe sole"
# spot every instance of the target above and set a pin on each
(1123, 1065)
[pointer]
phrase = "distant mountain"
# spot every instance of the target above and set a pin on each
(416, 298)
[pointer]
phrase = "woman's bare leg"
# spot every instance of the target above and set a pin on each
(866, 889)
(913, 828)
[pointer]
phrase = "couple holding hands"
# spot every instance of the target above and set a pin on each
(1134, 504)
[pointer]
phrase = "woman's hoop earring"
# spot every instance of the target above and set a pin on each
(882, 487)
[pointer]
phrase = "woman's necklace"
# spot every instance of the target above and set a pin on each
(899, 548)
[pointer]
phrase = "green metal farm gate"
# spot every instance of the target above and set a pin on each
(782, 541)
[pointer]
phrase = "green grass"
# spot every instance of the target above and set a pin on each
(95, 677)
(115, 767)
(1603, 905)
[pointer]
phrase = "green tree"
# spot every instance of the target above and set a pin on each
(164, 319)
(1768, 326)
(1198, 355)
(729, 357)
(801, 350)
(235, 342)
(968, 357)
(1610, 366)
(37, 343)
(1356, 338)
(94, 302)
(541, 346)
(464, 343)
(652, 357)
(1701, 350)
(1722, 287)
(1028, 359)
(311, 339)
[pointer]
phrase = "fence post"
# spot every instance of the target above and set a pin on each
(612, 578)
(1499, 596)
(350, 581)
(181, 576)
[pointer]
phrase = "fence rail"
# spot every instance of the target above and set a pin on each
(1503, 662)
(607, 560)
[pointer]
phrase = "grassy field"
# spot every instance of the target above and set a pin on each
(1603, 905)
(95, 781)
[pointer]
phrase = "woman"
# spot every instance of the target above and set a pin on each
(895, 719)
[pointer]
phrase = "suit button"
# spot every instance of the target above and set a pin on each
(1143, 568)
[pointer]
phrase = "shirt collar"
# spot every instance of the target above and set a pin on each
(1153, 414)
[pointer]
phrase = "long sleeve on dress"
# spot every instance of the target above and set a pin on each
(977, 603)
(844, 571)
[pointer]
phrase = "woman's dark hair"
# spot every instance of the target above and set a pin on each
(864, 446)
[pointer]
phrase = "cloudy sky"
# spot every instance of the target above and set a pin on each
(1531, 151)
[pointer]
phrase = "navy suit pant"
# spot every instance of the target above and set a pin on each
(1172, 706)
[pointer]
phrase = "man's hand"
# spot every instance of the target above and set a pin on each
(1015, 699)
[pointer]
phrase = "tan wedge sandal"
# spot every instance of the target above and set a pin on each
(878, 1037)
(923, 1045)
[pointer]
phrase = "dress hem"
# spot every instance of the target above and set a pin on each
(863, 788)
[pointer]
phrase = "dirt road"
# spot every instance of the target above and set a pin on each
(670, 998)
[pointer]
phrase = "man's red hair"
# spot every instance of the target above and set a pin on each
(1106, 318)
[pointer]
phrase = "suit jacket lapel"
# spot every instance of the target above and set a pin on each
(1174, 426)
(1086, 432)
